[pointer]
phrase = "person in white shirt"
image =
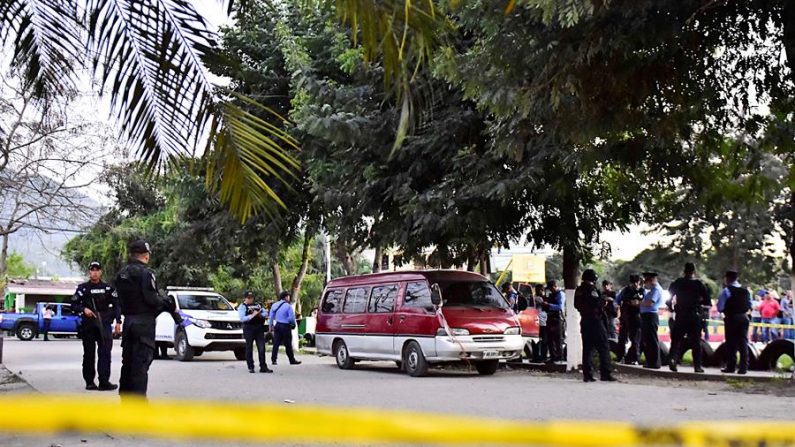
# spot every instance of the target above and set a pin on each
(47, 321)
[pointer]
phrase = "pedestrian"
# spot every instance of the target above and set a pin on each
(510, 294)
(140, 305)
(543, 334)
(769, 310)
(650, 320)
(553, 306)
(253, 318)
(735, 303)
(281, 323)
(591, 305)
(47, 317)
(786, 315)
(98, 306)
(756, 316)
(690, 297)
(628, 301)
(611, 311)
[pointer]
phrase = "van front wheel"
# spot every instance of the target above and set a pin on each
(414, 361)
(341, 354)
(488, 367)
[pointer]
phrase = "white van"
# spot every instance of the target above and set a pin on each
(210, 323)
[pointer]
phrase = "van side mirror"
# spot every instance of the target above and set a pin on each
(436, 295)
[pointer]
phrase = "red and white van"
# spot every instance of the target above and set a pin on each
(417, 319)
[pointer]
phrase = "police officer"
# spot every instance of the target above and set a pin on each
(553, 306)
(140, 304)
(689, 296)
(628, 301)
(98, 306)
(735, 303)
(282, 322)
(650, 320)
(253, 318)
(589, 302)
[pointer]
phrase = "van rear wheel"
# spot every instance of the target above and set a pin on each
(414, 360)
(341, 354)
(487, 367)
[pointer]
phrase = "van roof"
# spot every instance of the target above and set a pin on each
(410, 275)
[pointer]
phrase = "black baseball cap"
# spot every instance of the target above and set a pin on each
(248, 294)
(649, 275)
(95, 266)
(589, 275)
(139, 246)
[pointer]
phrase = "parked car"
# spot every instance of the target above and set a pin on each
(209, 323)
(417, 319)
(28, 326)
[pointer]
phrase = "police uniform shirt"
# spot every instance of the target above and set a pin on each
(137, 290)
(100, 297)
(690, 294)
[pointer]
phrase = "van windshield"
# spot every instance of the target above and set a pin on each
(203, 302)
(472, 294)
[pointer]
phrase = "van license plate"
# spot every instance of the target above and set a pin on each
(491, 354)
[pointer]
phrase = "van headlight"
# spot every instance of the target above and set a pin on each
(456, 332)
(516, 330)
(204, 324)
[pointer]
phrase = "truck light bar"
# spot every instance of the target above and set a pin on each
(203, 289)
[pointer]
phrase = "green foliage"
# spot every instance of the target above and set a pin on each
(16, 267)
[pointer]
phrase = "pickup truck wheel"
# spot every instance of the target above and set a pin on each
(414, 360)
(183, 350)
(487, 367)
(26, 332)
(240, 353)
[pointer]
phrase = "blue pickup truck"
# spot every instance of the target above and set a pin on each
(27, 326)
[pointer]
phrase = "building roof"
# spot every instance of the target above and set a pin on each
(41, 286)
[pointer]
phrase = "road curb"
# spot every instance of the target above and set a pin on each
(664, 373)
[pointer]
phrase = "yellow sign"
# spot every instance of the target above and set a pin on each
(529, 268)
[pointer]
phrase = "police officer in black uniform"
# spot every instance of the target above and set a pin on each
(591, 305)
(689, 296)
(98, 306)
(253, 317)
(629, 301)
(140, 304)
(735, 303)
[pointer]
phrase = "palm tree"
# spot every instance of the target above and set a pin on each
(150, 54)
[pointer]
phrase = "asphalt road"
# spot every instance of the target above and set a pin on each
(55, 367)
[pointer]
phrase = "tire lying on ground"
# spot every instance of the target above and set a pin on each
(774, 350)
(719, 357)
(664, 354)
(707, 353)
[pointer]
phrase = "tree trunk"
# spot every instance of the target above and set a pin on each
(378, 260)
(4, 258)
(295, 290)
(485, 264)
(571, 268)
(277, 277)
(573, 339)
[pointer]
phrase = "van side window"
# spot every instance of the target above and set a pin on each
(355, 300)
(417, 295)
(333, 302)
(383, 299)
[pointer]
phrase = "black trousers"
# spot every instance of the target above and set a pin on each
(629, 331)
(97, 344)
(555, 336)
(594, 337)
(736, 340)
(282, 335)
(138, 350)
(543, 343)
(47, 322)
(255, 333)
(689, 325)
(651, 344)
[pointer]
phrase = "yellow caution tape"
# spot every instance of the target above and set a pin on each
(273, 423)
(768, 325)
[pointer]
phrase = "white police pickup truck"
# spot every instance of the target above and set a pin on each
(209, 323)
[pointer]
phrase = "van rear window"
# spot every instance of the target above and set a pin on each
(383, 299)
(356, 300)
(333, 302)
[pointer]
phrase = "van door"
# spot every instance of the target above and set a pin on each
(354, 320)
(416, 318)
(381, 320)
(164, 326)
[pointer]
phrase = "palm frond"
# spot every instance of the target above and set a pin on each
(46, 39)
(150, 55)
(248, 157)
